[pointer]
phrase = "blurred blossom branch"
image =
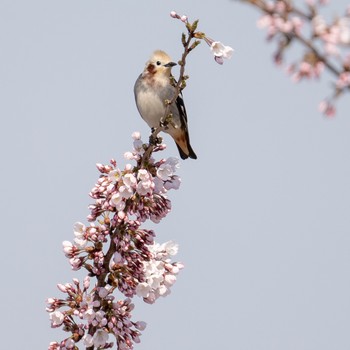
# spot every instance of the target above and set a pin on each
(116, 252)
(326, 45)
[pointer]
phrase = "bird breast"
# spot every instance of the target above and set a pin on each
(151, 107)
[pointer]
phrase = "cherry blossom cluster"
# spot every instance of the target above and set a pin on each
(325, 43)
(120, 254)
(160, 273)
(103, 317)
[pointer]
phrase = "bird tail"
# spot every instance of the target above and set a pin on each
(185, 150)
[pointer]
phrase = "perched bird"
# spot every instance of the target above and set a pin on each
(152, 89)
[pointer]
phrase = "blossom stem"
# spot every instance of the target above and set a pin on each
(317, 53)
(101, 279)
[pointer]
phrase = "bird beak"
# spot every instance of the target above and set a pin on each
(170, 64)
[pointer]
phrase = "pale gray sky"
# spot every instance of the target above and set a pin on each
(262, 217)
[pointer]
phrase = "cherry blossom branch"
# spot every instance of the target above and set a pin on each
(116, 252)
(326, 45)
(320, 57)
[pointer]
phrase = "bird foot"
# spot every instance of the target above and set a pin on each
(155, 140)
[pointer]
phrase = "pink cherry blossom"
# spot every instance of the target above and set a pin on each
(219, 50)
(56, 318)
(327, 108)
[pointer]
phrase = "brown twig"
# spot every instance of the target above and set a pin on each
(101, 279)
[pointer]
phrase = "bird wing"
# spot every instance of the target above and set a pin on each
(181, 107)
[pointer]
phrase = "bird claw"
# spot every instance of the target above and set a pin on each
(154, 140)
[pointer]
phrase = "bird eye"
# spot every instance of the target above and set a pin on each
(158, 63)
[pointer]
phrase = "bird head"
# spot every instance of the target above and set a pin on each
(159, 64)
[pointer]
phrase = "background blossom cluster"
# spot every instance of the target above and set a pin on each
(118, 252)
(325, 43)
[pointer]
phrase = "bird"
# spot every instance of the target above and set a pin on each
(152, 90)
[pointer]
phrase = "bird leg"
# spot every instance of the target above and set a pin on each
(154, 140)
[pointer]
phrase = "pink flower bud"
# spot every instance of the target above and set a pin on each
(136, 339)
(128, 155)
(128, 167)
(67, 247)
(121, 215)
(90, 218)
(170, 279)
(103, 292)
(86, 282)
(327, 108)
(117, 258)
(70, 343)
(62, 288)
(140, 325)
(100, 167)
(54, 346)
(136, 135)
(180, 265)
